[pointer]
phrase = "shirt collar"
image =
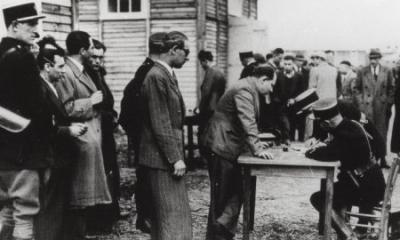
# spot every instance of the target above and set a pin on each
(377, 69)
(164, 64)
(76, 63)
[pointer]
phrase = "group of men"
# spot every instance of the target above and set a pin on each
(59, 174)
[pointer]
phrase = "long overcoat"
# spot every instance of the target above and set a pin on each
(375, 97)
(88, 181)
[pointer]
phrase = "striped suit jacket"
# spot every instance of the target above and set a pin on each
(161, 143)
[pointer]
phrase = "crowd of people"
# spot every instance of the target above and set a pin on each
(59, 177)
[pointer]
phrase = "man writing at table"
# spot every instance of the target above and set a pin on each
(360, 181)
(233, 127)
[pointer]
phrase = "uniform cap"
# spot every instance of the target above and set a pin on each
(325, 109)
(244, 55)
(21, 13)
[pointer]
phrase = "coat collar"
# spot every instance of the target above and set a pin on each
(80, 75)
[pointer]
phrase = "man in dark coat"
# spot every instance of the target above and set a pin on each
(233, 129)
(248, 62)
(102, 217)
(131, 119)
(212, 88)
(49, 223)
(395, 144)
(161, 153)
(360, 181)
(374, 92)
(24, 154)
(288, 85)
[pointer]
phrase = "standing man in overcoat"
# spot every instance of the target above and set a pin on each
(161, 154)
(80, 96)
(374, 92)
(102, 218)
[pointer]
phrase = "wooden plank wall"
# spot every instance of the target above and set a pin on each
(126, 50)
(88, 11)
(217, 31)
(250, 9)
(58, 21)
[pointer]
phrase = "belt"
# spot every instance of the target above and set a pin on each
(360, 171)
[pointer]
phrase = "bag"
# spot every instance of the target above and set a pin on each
(132, 105)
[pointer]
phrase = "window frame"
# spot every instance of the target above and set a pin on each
(105, 14)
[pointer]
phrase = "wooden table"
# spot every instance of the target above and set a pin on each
(285, 164)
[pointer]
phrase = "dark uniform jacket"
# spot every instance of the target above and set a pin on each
(233, 127)
(21, 92)
(161, 143)
(350, 146)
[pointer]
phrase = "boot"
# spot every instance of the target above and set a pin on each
(6, 232)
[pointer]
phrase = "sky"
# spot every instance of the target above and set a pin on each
(332, 24)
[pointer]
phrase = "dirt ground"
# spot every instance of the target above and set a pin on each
(283, 211)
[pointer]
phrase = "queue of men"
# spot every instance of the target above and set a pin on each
(59, 173)
(60, 178)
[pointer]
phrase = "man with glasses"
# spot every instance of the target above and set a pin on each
(23, 154)
(374, 92)
(161, 153)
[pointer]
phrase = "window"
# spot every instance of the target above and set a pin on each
(122, 9)
(124, 5)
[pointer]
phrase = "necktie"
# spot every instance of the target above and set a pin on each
(375, 75)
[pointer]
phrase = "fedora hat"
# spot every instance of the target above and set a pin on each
(375, 53)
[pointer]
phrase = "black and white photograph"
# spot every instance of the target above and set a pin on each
(199, 120)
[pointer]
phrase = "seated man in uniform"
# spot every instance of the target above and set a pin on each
(233, 126)
(360, 181)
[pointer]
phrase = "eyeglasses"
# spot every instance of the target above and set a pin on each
(187, 51)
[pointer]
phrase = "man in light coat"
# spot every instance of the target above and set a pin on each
(323, 77)
(80, 96)
(374, 90)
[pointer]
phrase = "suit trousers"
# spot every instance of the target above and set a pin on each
(171, 219)
(226, 196)
(19, 191)
(142, 196)
(49, 223)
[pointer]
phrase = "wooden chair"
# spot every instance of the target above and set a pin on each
(380, 220)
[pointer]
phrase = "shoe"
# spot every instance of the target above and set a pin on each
(6, 232)
(221, 230)
(143, 225)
